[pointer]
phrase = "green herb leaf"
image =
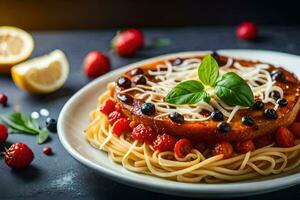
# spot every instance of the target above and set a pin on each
(20, 123)
(208, 71)
(233, 90)
(206, 97)
(42, 136)
(187, 92)
(30, 122)
(12, 130)
(15, 122)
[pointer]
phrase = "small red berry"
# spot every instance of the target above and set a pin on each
(183, 147)
(164, 142)
(127, 42)
(245, 146)
(284, 137)
(246, 31)
(108, 106)
(18, 156)
(3, 99)
(3, 133)
(121, 126)
(295, 128)
(114, 116)
(144, 134)
(96, 64)
(224, 148)
(47, 150)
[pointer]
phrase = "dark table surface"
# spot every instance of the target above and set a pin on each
(62, 177)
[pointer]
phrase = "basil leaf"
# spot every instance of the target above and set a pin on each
(15, 123)
(206, 97)
(12, 130)
(21, 123)
(187, 92)
(42, 136)
(233, 90)
(208, 71)
(30, 122)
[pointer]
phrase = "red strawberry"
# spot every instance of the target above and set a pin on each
(144, 133)
(108, 106)
(3, 99)
(121, 126)
(138, 36)
(95, 64)
(246, 31)
(284, 137)
(114, 116)
(18, 156)
(224, 148)
(164, 142)
(3, 133)
(183, 147)
(295, 128)
(245, 146)
(127, 42)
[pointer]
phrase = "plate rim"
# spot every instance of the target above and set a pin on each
(183, 189)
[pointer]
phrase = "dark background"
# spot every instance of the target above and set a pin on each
(60, 176)
(92, 14)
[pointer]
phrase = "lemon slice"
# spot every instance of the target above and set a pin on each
(43, 74)
(16, 46)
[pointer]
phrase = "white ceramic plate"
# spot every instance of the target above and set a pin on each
(74, 117)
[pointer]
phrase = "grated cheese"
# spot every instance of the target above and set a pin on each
(257, 76)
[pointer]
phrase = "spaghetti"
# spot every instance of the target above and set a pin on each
(195, 166)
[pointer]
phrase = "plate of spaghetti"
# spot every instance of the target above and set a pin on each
(201, 124)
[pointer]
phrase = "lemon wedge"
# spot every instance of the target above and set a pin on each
(16, 45)
(43, 74)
